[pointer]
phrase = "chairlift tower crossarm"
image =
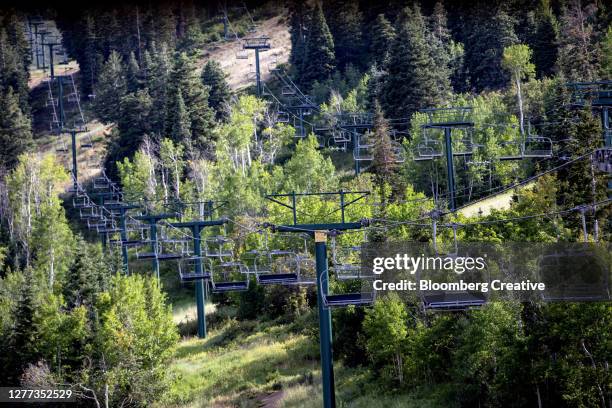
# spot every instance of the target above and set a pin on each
(153, 220)
(196, 228)
(320, 232)
(449, 119)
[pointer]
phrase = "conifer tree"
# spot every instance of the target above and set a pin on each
(195, 97)
(577, 53)
(12, 72)
(385, 159)
(297, 28)
(157, 84)
(181, 123)
(110, 89)
(320, 60)
(382, 36)
(22, 345)
(219, 93)
(410, 81)
(546, 41)
(15, 130)
(132, 74)
(345, 20)
(80, 284)
(491, 30)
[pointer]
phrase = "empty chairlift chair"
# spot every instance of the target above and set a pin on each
(363, 152)
(287, 91)
(282, 117)
(218, 246)
(538, 147)
(363, 296)
(511, 150)
(172, 249)
(574, 275)
(194, 268)
(229, 276)
(452, 300)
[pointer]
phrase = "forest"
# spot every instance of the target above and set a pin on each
(187, 189)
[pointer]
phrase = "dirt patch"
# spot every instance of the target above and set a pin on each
(239, 71)
(271, 400)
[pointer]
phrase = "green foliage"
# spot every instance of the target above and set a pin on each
(386, 331)
(111, 88)
(319, 56)
(491, 31)
(383, 35)
(185, 84)
(219, 91)
(410, 83)
(345, 23)
(15, 129)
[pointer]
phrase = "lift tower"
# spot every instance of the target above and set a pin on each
(196, 228)
(320, 233)
(258, 44)
(449, 119)
(34, 41)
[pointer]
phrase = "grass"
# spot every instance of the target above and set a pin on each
(230, 368)
(265, 364)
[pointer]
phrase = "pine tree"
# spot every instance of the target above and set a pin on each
(546, 41)
(132, 74)
(345, 20)
(297, 28)
(15, 130)
(219, 91)
(385, 158)
(181, 129)
(195, 96)
(157, 84)
(382, 35)
(577, 52)
(12, 72)
(320, 60)
(490, 31)
(442, 49)
(410, 81)
(80, 284)
(22, 344)
(110, 89)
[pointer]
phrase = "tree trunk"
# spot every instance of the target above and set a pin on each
(520, 104)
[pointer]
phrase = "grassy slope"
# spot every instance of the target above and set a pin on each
(260, 364)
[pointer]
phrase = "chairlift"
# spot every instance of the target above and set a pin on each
(603, 160)
(282, 117)
(88, 143)
(188, 269)
(61, 148)
(538, 147)
(513, 150)
(218, 246)
(231, 277)
(452, 300)
(72, 97)
(142, 254)
(287, 91)
(363, 152)
(173, 249)
(574, 275)
(346, 261)
(341, 136)
(430, 149)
